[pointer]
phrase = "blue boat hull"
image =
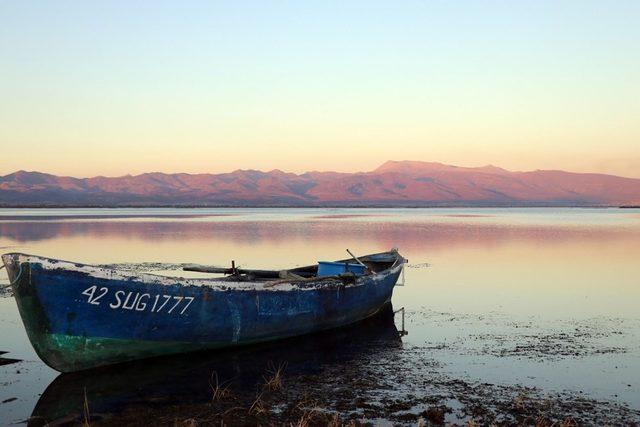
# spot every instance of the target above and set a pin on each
(79, 317)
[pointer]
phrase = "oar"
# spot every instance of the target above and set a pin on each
(356, 258)
(360, 262)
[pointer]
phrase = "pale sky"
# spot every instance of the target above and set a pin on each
(116, 87)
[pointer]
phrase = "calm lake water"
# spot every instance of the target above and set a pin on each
(532, 303)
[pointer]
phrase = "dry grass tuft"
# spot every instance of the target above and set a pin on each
(543, 421)
(258, 407)
(85, 409)
(273, 379)
(218, 391)
(569, 422)
(307, 418)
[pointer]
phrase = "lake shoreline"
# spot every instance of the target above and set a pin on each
(394, 205)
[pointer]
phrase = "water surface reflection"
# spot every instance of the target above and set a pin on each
(540, 298)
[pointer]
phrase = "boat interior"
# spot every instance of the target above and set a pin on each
(369, 264)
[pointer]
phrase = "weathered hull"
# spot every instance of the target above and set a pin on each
(79, 317)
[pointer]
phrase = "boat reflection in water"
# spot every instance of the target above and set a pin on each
(187, 379)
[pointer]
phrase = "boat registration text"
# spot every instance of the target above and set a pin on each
(137, 301)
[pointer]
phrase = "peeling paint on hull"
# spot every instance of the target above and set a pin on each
(79, 317)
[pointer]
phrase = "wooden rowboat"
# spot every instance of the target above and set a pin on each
(81, 316)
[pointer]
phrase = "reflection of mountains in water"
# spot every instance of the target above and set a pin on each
(411, 234)
(186, 379)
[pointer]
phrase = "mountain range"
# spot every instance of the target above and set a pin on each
(395, 183)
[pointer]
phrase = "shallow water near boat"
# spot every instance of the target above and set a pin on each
(510, 313)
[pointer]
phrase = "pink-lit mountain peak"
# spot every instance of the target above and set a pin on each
(415, 167)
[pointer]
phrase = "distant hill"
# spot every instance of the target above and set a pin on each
(395, 183)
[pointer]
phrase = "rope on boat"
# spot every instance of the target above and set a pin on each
(12, 282)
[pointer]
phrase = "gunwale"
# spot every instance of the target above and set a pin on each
(214, 283)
